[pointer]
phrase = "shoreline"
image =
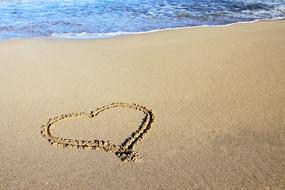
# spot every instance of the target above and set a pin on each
(124, 34)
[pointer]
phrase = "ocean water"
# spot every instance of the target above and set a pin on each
(105, 18)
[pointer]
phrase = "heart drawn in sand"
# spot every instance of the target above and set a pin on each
(125, 151)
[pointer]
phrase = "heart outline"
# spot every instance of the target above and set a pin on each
(125, 151)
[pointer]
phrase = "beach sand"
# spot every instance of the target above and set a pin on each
(217, 95)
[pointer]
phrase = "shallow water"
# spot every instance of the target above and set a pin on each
(103, 18)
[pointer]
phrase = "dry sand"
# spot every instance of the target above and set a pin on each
(217, 94)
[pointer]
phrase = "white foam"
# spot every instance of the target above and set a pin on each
(90, 36)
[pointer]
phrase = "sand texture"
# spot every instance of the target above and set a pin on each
(211, 101)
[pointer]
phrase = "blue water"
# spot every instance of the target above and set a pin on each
(101, 18)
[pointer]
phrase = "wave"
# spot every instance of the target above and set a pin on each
(95, 19)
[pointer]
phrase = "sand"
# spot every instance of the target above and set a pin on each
(217, 95)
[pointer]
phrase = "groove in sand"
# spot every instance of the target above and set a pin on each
(125, 151)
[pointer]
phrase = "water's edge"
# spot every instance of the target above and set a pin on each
(100, 36)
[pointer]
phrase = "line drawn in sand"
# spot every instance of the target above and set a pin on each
(125, 151)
